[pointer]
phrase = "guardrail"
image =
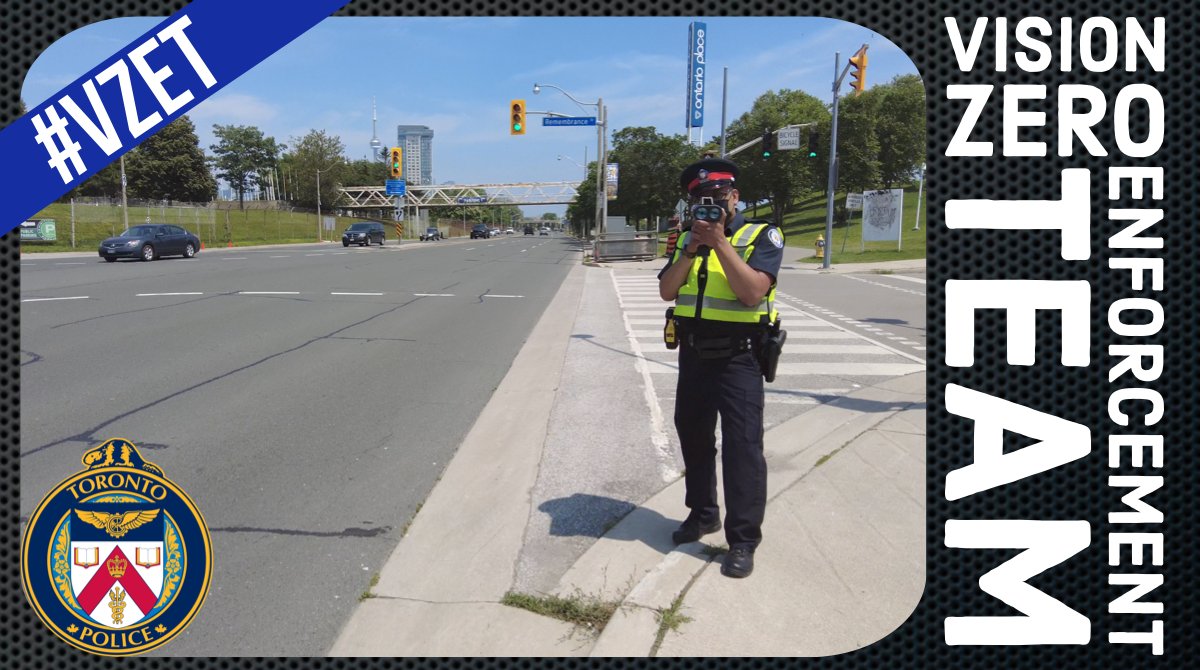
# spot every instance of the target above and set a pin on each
(626, 247)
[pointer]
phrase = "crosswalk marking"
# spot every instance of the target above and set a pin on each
(821, 344)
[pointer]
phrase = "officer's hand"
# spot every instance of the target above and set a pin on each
(707, 233)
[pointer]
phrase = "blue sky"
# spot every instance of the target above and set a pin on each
(457, 76)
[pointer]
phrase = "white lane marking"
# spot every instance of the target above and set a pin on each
(65, 263)
(147, 295)
(74, 297)
(237, 258)
(279, 256)
(524, 250)
(339, 253)
(434, 295)
(919, 348)
(664, 454)
(469, 249)
(875, 283)
(25, 265)
(314, 254)
(336, 293)
(268, 293)
(907, 278)
(498, 295)
(828, 369)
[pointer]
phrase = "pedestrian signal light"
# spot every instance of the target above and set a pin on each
(396, 164)
(517, 127)
(812, 144)
(858, 75)
(768, 141)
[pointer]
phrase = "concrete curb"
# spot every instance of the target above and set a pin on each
(458, 558)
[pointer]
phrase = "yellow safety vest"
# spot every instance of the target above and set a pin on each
(714, 300)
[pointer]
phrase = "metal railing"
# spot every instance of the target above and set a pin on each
(626, 247)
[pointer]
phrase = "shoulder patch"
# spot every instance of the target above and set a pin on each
(775, 237)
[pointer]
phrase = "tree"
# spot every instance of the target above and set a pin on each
(170, 165)
(365, 172)
(786, 175)
(650, 163)
(858, 146)
(582, 212)
(316, 151)
(550, 216)
(900, 128)
(242, 156)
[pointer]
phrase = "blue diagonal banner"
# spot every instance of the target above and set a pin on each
(139, 89)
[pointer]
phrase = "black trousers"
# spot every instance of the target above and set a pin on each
(733, 388)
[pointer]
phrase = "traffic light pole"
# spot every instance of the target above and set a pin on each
(833, 138)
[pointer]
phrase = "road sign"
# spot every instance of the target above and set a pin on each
(854, 201)
(395, 187)
(464, 200)
(569, 121)
(788, 138)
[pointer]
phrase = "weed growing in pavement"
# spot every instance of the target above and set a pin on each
(821, 461)
(670, 618)
(588, 612)
(713, 551)
(367, 594)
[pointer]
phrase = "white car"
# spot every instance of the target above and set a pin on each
(544, 231)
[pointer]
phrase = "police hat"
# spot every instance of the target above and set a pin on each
(708, 173)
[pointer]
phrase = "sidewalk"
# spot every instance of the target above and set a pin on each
(841, 565)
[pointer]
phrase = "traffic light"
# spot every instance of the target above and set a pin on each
(396, 164)
(858, 76)
(517, 127)
(768, 143)
(812, 144)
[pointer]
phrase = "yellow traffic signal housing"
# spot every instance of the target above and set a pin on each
(858, 76)
(517, 124)
(396, 165)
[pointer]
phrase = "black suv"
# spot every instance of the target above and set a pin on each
(363, 234)
(480, 231)
(528, 230)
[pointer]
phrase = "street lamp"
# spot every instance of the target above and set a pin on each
(561, 157)
(337, 161)
(601, 148)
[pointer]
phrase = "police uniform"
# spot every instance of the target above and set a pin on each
(720, 342)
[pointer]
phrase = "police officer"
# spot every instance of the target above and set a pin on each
(722, 279)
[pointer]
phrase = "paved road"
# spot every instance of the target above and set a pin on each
(306, 397)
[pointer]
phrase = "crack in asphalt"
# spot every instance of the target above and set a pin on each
(87, 436)
(349, 532)
(135, 311)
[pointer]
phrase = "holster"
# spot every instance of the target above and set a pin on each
(770, 351)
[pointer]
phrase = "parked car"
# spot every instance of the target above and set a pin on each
(508, 231)
(150, 241)
(544, 231)
(528, 230)
(480, 231)
(364, 234)
(432, 234)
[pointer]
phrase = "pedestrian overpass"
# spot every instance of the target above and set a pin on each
(458, 195)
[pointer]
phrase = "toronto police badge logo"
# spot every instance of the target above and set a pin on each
(116, 560)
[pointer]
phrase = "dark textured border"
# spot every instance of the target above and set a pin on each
(1075, 491)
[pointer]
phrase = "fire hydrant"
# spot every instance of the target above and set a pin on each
(821, 247)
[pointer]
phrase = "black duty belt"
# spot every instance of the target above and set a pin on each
(725, 346)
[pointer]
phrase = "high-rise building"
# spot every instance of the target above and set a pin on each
(417, 142)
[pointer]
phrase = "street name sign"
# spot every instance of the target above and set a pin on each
(395, 187)
(465, 199)
(569, 121)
